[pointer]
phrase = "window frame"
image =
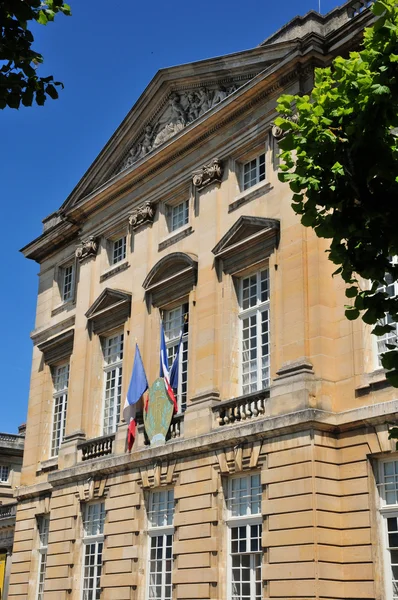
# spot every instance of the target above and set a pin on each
(42, 551)
(107, 368)
(154, 532)
(247, 313)
(113, 261)
(386, 337)
(63, 395)
(171, 344)
(7, 469)
(65, 299)
(259, 179)
(90, 539)
(248, 520)
(185, 204)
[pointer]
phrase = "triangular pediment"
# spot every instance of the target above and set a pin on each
(249, 239)
(108, 299)
(176, 98)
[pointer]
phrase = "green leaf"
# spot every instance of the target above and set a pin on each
(352, 313)
(351, 292)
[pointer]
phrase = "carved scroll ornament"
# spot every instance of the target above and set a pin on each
(142, 214)
(210, 173)
(87, 248)
(182, 109)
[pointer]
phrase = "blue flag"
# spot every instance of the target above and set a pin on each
(138, 385)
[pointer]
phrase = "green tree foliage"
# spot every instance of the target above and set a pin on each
(340, 157)
(19, 81)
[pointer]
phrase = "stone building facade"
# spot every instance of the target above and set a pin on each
(11, 451)
(277, 479)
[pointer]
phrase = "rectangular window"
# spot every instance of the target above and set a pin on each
(113, 359)
(254, 171)
(175, 321)
(119, 250)
(4, 473)
(93, 540)
(43, 525)
(390, 287)
(67, 283)
(160, 531)
(244, 539)
(61, 381)
(179, 215)
(255, 326)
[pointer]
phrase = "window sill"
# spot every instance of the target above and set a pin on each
(118, 268)
(247, 195)
(175, 237)
(376, 380)
(48, 465)
(69, 304)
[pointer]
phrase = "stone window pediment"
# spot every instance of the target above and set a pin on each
(247, 240)
(110, 310)
(56, 342)
(171, 278)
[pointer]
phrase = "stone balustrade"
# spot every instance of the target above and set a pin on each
(176, 427)
(97, 447)
(241, 409)
(355, 8)
(8, 511)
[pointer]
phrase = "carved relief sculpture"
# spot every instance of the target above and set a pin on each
(210, 173)
(182, 109)
(142, 214)
(87, 248)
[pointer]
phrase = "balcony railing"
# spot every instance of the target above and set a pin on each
(355, 8)
(97, 447)
(8, 511)
(241, 409)
(176, 427)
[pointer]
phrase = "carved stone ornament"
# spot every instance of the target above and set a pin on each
(279, 133)
(210, 173)
(142, 214)
(87, 248)
(182, 109)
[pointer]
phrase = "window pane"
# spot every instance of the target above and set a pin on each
(254, 171)
(176, 321)
(67, 283)
(179, 215)
(119, 250)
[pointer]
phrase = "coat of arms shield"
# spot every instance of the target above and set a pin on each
(158, 417)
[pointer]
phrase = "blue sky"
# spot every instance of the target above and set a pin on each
(105, 54)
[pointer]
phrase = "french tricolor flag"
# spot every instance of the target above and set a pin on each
(170, 376)
(138, 386)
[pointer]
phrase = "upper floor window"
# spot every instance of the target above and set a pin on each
(390, 287)
(175, 322)
(255, 326)
(118, 250)
(244, 537)
(160, 531)
(43, 525)
(254, 171)
(113, 362)
(61, 382)
(179, 215)
(93, 541)
(4, 473)
(67, 283)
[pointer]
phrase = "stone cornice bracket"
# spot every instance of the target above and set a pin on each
(86, 249)
(240, 458)
(208, 174)
(142, 215)
(158, 474)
